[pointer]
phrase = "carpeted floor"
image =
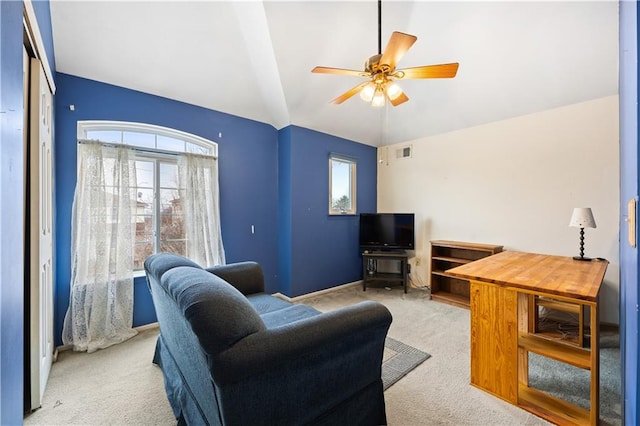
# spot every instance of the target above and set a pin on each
(120, 385)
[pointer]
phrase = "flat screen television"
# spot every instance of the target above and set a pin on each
(387, 231)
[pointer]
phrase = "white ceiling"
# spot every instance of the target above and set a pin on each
(254, 58)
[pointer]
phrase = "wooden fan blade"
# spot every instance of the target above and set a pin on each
(399, 100)
(340, 71)
(431, 71)
(398, 45)
(349, 93)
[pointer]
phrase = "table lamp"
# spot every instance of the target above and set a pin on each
(582, 218)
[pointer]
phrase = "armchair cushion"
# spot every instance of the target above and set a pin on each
(265, 303)
(288, 315)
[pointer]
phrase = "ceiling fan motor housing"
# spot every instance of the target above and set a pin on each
(371, 65)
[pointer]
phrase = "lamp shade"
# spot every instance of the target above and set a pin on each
(582, 218)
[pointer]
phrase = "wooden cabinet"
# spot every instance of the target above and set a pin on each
(449, 254)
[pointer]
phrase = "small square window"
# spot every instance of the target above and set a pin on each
(342, 185)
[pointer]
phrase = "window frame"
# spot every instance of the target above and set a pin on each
(352, 163)
(153, 155)
(157, 159)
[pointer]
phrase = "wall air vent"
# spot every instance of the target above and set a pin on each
(404, 152)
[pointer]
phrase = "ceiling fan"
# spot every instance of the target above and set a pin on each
(380, 71)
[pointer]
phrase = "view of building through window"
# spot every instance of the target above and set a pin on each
(170, 224)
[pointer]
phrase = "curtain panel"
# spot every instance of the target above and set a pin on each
(198, 180)
(100, 312)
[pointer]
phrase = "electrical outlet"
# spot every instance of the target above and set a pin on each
(418, 261)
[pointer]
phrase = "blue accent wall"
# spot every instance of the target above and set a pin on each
(248, 175)
(284, 209)
(320, 251)
(12, 214)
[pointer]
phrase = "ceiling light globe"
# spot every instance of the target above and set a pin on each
(367, 92)
(393, 91)
(378, 99)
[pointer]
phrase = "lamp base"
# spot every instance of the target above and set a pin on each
(581, 258)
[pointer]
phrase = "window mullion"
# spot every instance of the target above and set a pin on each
(156, 205)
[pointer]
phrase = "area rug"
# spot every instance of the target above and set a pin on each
(398, 360)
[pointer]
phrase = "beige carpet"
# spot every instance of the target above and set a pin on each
(120, 385)
(114, 386)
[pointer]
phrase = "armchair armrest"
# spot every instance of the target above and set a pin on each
(332, 334)
(295, 373)
(247, 277)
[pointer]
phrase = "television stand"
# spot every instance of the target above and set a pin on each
(370, 272)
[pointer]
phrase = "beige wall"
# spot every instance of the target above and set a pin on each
(515, 183)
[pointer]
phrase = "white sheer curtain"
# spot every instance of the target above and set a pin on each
(100, 310)
(198, 180)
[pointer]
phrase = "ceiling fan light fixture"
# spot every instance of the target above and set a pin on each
(381, 70)
(393, 90)
(378, 98)
(368, 91)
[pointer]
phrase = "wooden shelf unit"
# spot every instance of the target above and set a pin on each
(449, 254)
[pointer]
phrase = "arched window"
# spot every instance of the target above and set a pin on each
(141, 189)
(160, 203)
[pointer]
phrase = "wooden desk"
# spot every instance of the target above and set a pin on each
(503, 287)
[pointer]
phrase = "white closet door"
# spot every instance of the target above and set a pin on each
(41, 226)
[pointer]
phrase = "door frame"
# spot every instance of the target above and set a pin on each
(629, 184)
(35, 48)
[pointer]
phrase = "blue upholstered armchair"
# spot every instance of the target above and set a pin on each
(233, 355)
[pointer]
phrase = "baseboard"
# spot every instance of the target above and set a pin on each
(611, 327)
(316, 293)
(59, 349)
(146, 327)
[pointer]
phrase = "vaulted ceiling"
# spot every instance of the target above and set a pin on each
(254, 58)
